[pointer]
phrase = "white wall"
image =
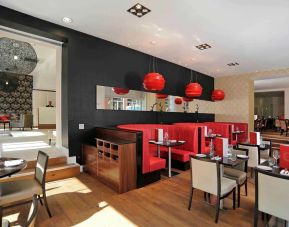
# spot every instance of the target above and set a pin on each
(286, 102)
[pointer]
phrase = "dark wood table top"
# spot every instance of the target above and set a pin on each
(225, 160)
(167, 144)
(8, 171)
(212, 136)
(238, 132)
(276, 170)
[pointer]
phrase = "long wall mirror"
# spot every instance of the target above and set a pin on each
(113, 98)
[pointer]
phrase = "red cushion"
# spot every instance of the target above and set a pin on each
(284, 156)
(4, 118)
(156, 163)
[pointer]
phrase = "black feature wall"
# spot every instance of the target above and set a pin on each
(89, 61)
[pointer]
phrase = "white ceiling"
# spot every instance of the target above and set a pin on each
(272, 84)
(253, 33)
(45, 72)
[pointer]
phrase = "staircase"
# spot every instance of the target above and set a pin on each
(276, 139)
(57, 169)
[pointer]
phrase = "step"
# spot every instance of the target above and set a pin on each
(51, 162)
(55, 172)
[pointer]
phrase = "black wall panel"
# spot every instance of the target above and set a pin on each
(88, 61)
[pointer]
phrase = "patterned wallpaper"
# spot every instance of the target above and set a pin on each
(20, 100)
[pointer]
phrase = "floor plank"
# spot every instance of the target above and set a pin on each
(83, 201)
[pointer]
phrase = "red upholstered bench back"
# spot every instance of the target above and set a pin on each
(241, 127)
(175, 132)
(149, 133)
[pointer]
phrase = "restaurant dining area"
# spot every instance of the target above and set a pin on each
(144, 113)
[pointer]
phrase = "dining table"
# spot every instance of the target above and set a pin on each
(236, 133)
(212, 136)
(168, 144)
(8, 167)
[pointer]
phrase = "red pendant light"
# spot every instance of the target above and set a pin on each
(154, 81)
(193, 89)
(120, 91)
(218, 95)
(186, 99)
(178, 101)
(161, 96)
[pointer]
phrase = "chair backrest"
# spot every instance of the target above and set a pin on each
(271, 195)
(267, 151)
(41, 166)
(28, 120)
(253, 153)
(277, 123)
(205, 175)
(244, 165)
(283, 124)
(32, 213)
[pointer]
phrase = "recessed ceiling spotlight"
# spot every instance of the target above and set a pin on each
(233, 64)
(15, 57)
(204, 46)
(67, 20)
(138, 10)
(153, 42)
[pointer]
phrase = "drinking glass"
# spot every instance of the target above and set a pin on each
(271, 161)
(237, 129)
(210, 132)
(230, 150)
(233, 157)
(276, 156)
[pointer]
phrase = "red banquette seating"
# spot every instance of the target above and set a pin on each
(181, 153)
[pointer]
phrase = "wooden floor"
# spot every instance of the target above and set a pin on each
(276, 138)
(83, 201)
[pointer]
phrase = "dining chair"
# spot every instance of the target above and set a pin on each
(269, 200)
(284, 127)
(207, 176)
(265, 154)
(254, 155)
(17, 192)
(33, 212)
(238, 173)
(277, 124)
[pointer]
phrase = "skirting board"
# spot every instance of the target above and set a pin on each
(47, 126)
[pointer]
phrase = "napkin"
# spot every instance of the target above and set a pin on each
(284, 172)
(13, 162)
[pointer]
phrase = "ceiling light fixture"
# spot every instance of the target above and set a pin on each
(138, 10)
(204, 46)
(233, 64)
(67, 20)
(15, 57)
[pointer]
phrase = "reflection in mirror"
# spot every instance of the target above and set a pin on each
(113, 98)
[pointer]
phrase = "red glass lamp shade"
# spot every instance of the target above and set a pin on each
(194, 90)
(154, 82)
(186, 99)
(120, 91)
(218, 95)
(178, 101)
(161, 96)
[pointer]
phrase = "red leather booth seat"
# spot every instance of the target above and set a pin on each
(181, 153)
(241, 127)
(223, 128)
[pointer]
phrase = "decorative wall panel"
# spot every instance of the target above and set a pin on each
(20, 100)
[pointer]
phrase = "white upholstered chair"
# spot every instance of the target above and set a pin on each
(271, 195)
(254, 155)
(15, 192)
(238, 173)
(265, 154)
(207, 176)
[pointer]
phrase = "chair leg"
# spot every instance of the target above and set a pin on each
(263, 216)
(256, 218)
(46, 204)
(217, 209)
(234, 198)
(40, 200)
(191, 198)
(246, 188)
(239, 195)
(1, 215)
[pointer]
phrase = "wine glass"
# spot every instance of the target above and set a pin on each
(271, 161)
(230, 150)
(276, 156)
